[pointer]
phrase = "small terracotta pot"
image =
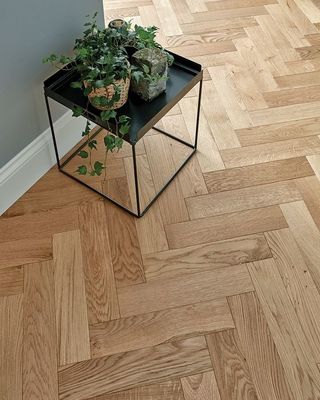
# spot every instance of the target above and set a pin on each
(116, 23)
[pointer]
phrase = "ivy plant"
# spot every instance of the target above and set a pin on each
(99, 63)
(100, 58)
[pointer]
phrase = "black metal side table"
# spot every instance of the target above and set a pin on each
(184, 75)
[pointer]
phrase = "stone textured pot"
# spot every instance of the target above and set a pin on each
(151, 86)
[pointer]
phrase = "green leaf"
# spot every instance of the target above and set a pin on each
(52, 58)
(76, 85)
(146, 69)
(86, 129)
(124, 129)
(123, 119)
(77, 111)
(104, 101)
(92, 144)
(109, 142)
(64, 60)
(96, 101)
(98, 84)
(108, 114)
(98, 167)
(83, 154)
(87, 91)
(137, 75)
(82, 170)
(118, 142)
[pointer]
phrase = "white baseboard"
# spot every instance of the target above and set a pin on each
(27, 167)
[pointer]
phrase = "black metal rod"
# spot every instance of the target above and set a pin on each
(136, 183)
(168, 183)
(80, 148)
(173, 137)
(52, 131)
(198, 114)
(100, 193)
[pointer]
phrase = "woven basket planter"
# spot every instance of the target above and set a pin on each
(108, 92)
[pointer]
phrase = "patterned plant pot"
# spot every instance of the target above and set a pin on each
(109, 91)
(151, 85)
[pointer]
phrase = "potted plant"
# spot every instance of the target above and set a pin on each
(104, 77)
(136, 37)
(149, 73)
(101, 59)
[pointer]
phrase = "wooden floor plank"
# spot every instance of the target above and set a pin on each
(146, 330)
(271, 152)
(140, 367)
(150, 229)
(298, 283)
(242, 199)
(190, 177)
(293, 346)
(225, 226)
(168, 390)
(11, 367)
(285, 113)
(231, 13)
(207, 257)
(258, 174)
(230, 97)
(199, 27)
(304, 24)
(231, 4)
(309, 188)
(183, 290)
(309, 52)
(201, 49)
(162, 167)
(279, 131)
(150, 17)
(126, 260)
(298, 80)
(302, 66)
(230, 366)
(292, 96)
(34, 227)
(217, 118)
(258, 346)
(39, 333)
(70, 299)
(208, 154)
(310, 9)
(97, 264)
(200, 387)
(315, 164)
(167, 17)
(54, 190)
(25, 251)
(248, 89)
(256, 64)
(11, 281)
(306, 234)
(274, 33)
(286, 25)
(182, 12)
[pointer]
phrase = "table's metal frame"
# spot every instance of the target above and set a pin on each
(139, 212)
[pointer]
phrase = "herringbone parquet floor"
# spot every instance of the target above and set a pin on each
(215, 293)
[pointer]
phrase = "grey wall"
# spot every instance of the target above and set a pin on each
(29, 31)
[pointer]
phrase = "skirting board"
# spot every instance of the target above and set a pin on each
(27, 167)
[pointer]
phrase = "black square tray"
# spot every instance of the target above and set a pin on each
(184, 74)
